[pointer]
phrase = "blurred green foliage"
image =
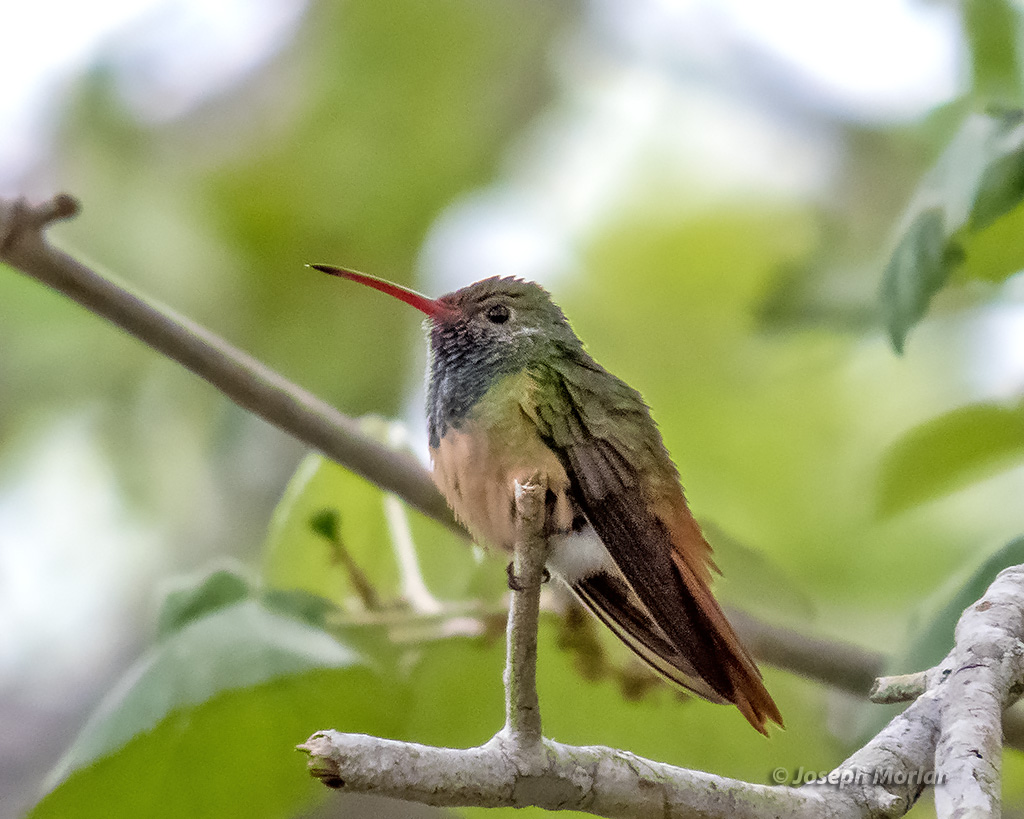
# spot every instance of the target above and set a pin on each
(948, 453)
(967, 214)
(211, 759)
(993, 30)
(753, 324)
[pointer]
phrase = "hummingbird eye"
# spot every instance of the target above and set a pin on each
(498, 314)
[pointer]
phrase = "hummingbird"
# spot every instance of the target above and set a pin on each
(512, 393)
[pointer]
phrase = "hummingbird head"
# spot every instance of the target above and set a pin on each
(478, 334)
(504, 318)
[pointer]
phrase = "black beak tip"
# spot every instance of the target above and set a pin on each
(324, 268)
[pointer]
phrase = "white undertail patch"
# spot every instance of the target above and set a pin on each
(577, 555)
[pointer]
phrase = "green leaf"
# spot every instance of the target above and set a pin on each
(366, 520)
(181, 607)
(233, 755)
(949, 453)
(918, 269)
(300, 605)
(992, 241)
(995, 253)
(968, 213)
(235, 647)
(1001, 189)
(952, 183)
(297, 556)
(934, 640)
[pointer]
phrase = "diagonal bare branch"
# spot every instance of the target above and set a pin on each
(246, 381)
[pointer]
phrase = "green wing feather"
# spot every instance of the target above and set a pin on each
(602, 432)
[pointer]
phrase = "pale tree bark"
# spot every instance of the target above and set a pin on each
(950, 736)
(950, 732)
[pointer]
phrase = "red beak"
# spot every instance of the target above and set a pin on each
(429, 306)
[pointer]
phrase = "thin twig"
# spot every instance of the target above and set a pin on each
(592, 779)
(364, 589)
(885, 778)
(842, 665)
(899, 688)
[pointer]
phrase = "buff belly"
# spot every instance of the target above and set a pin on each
(477, 466)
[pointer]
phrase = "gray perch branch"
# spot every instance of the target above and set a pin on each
(949, 737)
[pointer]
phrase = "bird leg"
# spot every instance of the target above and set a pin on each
(514, 584)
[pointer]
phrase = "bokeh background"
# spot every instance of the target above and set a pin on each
(709, 189)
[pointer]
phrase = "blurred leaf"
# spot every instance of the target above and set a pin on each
(814, 293)
(995, 253)
(934, 639)
(948, 453)
(968, 214)
(753, 581)
(235, 647)
(232, 755)
(298, 557)
(452, 568)
(299, 604)
(216, 590)
(992, 241)
(1000, 190)
(993, 33)
(917, 270)
(458, 699)
(296, 554)
(952, 183)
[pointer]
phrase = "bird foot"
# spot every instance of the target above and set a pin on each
(515, 584)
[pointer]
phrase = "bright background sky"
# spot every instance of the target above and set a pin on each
(198, 48)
